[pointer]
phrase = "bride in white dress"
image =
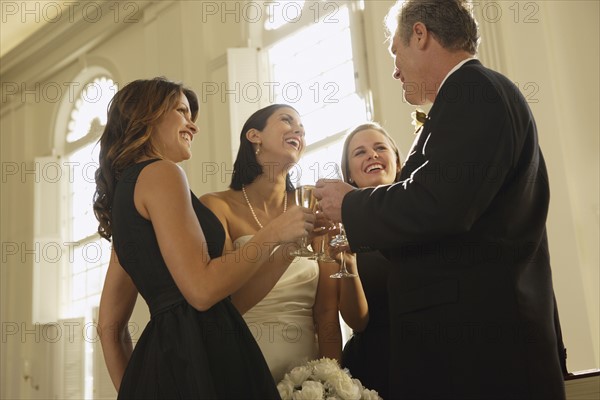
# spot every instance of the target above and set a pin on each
(290, 305)
(282, 322)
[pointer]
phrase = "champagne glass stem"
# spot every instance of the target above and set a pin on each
(343, 272)
(323, 256)
(346, 272)
(340, 241)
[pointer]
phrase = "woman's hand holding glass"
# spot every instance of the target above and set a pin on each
(332, 245)
(293, 225)
(323, 228)
(304, 197)
(339, 243)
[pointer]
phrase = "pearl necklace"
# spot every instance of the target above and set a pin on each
(252, 209)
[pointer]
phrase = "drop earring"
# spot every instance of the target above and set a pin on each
(257, 149)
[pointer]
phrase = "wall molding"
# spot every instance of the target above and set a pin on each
(63, 42)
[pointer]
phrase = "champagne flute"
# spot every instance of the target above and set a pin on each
(322, 253)
(341, 241)
(305, 197)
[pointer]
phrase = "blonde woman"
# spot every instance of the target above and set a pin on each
(369, 158)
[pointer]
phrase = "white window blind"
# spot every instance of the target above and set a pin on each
(49, 249)
(73, 359)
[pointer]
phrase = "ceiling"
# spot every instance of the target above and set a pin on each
(20, 20)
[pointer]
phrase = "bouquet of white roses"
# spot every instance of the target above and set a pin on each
(323, 380)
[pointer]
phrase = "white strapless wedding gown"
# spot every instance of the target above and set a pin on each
(282, 322)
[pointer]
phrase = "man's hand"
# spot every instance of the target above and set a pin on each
(330, 193)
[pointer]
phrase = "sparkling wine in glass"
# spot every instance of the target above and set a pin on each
(341, 241)
(322, 250)
(305, 197)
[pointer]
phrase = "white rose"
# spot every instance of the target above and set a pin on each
(327, 370)
(298, 396)
(285, 388)
(370, 395)
(358, 384)
(298, 375)
(346, 389)
(311, 390)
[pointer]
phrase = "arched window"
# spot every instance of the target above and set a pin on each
(67, 289)
(87, 265)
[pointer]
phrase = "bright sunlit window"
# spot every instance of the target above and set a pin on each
(281, 13)
(314, 69)
(94, 97)
(88, 254)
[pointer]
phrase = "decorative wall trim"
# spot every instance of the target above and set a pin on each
(75, 34)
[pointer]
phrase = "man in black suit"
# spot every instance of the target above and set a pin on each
(471, 297)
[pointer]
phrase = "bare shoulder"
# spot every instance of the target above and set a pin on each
(220, 201)
(163, 172)
(231, 208)
(160, 184)
(216, 196)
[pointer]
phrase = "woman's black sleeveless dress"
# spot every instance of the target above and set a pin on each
(367, 353)
(182, 353)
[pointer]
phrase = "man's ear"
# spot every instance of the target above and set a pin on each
(421, 34)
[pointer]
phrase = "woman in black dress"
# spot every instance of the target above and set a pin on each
(370, 158)
(166, 246)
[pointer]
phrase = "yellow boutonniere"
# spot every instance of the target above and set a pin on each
(418, 119)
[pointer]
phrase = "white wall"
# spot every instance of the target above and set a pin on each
(181, 41)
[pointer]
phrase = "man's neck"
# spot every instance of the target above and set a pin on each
(445, 61)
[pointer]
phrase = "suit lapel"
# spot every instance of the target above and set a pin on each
(416, 156)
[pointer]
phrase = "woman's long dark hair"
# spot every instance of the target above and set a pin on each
(246, 167)
(132, 114)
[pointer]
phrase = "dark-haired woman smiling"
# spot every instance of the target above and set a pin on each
(167, 247)
(290, 305)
